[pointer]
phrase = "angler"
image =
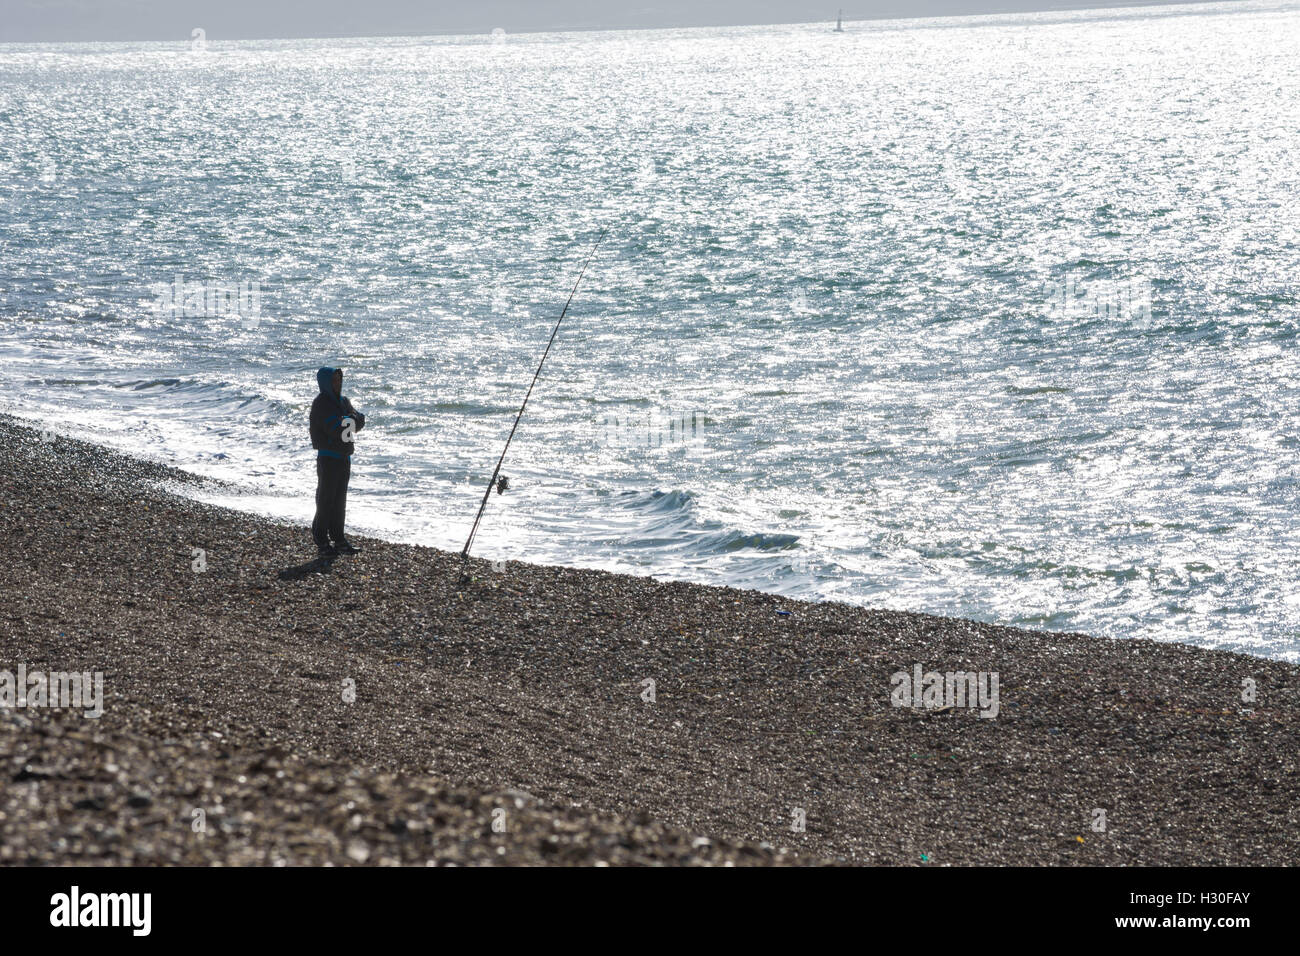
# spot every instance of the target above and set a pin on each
(334, 423)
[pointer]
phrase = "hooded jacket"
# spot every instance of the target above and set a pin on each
(328, 416)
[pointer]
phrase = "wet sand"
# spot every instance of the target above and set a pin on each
(375, 709)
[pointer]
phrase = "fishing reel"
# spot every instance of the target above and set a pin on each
(503, 484)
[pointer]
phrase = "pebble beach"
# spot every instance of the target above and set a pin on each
(262, 707)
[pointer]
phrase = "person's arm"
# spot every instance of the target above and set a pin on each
(331, 426)
(356, 415)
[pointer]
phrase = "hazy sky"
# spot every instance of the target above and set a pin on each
(38, 20)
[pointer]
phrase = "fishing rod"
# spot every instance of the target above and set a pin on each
(502, 484)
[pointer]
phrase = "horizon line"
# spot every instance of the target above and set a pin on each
(1084, 6)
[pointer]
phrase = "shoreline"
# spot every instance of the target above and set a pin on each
(525, 692)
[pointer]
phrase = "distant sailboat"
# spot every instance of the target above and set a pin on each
(839, 22)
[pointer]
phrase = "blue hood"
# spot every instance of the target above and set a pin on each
(325, 379)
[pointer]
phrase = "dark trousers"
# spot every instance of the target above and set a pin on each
(332, 475)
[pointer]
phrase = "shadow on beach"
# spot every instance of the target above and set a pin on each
(319, 565)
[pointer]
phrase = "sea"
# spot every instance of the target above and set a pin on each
(992, 317)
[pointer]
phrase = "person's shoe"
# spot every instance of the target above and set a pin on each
(346, 547)
(327, 551)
